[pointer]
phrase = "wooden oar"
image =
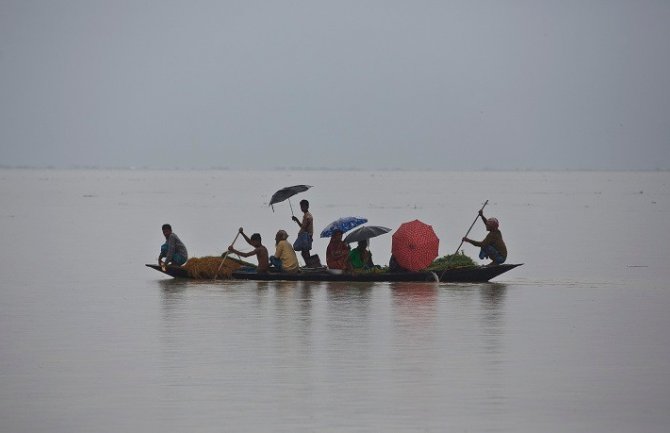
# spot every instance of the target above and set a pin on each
(225, 256)
(473, 224)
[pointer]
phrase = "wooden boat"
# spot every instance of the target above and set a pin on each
(465, 274)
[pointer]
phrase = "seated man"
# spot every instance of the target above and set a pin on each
(284, 258)
(173, 249)
(259, 251)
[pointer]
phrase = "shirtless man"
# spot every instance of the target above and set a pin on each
(259, 251)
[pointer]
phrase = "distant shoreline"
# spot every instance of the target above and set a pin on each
(345, 169)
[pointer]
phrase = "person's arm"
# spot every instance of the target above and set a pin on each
(246, 238)
(470, 241)
(304, 224)
(279, 250)
(172, 243)
(240, 253)
(481, 215)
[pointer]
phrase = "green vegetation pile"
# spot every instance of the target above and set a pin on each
(451, 261)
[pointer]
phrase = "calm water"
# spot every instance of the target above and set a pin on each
(92, 341)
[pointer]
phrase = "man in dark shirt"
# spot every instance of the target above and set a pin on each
(173, 249)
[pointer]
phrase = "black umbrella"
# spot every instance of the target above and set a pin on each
(287, 192)
(365, 233)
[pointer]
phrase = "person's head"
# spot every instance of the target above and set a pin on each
(492, 224)
(167, 229)
(255, 239)
(304, 205)
(337, 235)
(281, 236)
(362, 244)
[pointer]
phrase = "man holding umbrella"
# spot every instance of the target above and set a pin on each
(304, 241)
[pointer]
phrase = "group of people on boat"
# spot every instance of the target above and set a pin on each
(285, 259)
(339, 256)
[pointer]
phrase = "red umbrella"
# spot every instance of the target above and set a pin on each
(414, 245)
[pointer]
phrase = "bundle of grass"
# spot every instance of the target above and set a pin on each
(210, 268)
(451, 261)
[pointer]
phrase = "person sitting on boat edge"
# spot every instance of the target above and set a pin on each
(173, 250)
(337, 252)
(492, 247)
(394, 266)
(303, 242)
(360, 257)
(284, 258)
(259, 251)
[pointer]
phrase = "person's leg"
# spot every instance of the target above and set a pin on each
(274, 261)
(305, 256)
(178, 259)
(497, 258)
(491, 253)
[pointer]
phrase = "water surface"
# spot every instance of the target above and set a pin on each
(574, 340)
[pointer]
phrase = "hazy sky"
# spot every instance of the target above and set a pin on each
(366, 84)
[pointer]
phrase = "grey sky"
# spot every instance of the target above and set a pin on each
(365, 84)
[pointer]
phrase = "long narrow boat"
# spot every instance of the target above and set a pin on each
(466, 274)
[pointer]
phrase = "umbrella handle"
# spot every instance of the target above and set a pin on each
(291, 206)
(473, 224)
(225, 256)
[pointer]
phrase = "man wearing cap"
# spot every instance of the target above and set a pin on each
(492, 247)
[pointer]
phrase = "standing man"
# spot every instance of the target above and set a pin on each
(173, 249)
(304, 241)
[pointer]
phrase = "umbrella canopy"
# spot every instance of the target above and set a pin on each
(414, 245)
(287, 192)
(365, 232)
(343, 224)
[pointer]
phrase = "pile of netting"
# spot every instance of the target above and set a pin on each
(451, 261)
(211, 268)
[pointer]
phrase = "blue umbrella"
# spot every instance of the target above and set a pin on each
(343, 224)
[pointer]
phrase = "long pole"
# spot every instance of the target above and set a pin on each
(473, 224)
(225, 256)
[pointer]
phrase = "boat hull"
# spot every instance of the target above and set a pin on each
(466, 274)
